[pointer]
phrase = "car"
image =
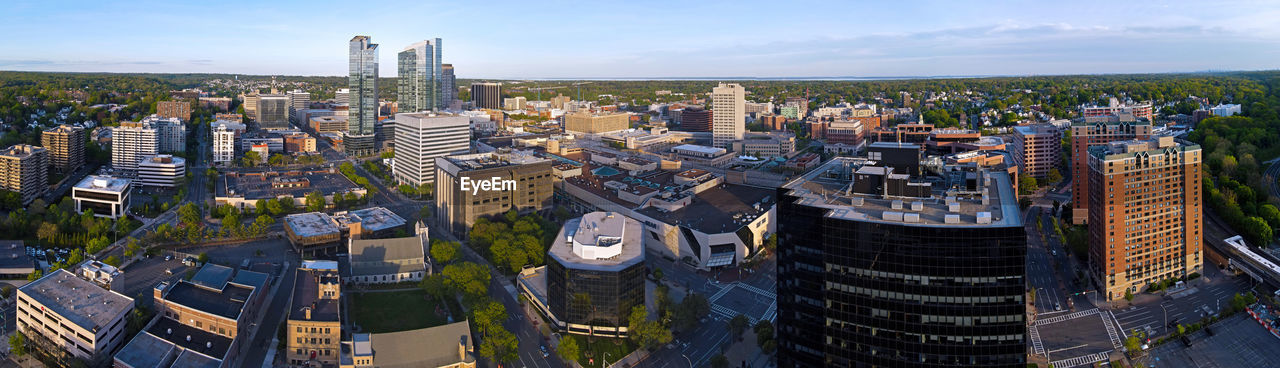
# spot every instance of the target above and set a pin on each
(544, 351)
(1055, 252)
(168, 257)
(1186, 340)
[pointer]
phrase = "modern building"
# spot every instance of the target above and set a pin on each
(486, 95)
(224, 144)
(65, 144)
(298, 101)
(702, 155)
(421, 138)
(363, 83)
(164, 171)
(419, 77)
(770, 144)
(174, 109)
(313, 331)
(486, 184)
(1036, 149)
(64, 313)
(25, 170)
(515, 103)
(594, 275)
(273, 112)
(389, 260)
(447, 346)
(1144, 213)
(696, 119)
(448, 86)
(106, 196)
(329, 124)
(313, 233)
(130, 142)
(1097, 131)
(877, 268)
(588, 123)
(729, 121)
(1225, 109)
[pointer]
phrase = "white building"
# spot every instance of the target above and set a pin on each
(74, 314)
(1225, 110)
(171, 132)
(298, 101)
(422, 137)
(130, 142)
(105, 195)
(728, 121)
(224, 144)
(162, 171)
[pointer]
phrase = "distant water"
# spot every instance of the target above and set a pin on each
(846, 78)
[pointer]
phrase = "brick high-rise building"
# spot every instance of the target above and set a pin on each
(25, 171)
(588, 123)
(65, 144)
(1096, 131)
(695, 119)
(174, 109)
(1145, 211)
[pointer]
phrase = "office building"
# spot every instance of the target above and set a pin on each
(174, 109)
(298, 101)
(594, 275)
(1144, 213)
(25, 170)
(63, 312)
(448, 86)
(881, 269)
(771, 144)
(421, 138)
(65, 144)
(587, 123)
(515, 180)
(329, 124)
(224, 144)
(486, 95)
(314, 327)
(165, 171)
(250, 105)
(389, 260)
(106, 196)
(299, 143)
(696, 119)
(363, 83)
(1097, 131)
(244, 189)
(419, 76)
(849, 132)
(729, 121)
(273, 112)
(514, 103)
(1036, 149)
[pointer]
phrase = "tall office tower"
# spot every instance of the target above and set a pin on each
(486, 95)
(224, 144)
(421, 137)
(174, 109)
(728, 122)
(66, 147)
(363, 82)
(1036, 149)
(25, 171)
(298, 101)
(1094, 131)
(342, 96)
(131, 142)
(1144, 211)
(419, 76)
(251, 105)
(880, 269)
(273, 112)
(448, 85)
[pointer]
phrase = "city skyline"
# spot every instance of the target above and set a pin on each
(713, 40)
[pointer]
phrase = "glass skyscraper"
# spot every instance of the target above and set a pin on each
(420, 77)
(363, 82)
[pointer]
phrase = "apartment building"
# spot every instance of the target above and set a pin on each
(130, 142)
(25, 171)
(224, 144)
(174, 109)
(64, 313)
(1036, 149)
(314, 329)
(1144, 213)
(65, 144)
(1096, 131)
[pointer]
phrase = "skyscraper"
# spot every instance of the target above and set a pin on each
(448, 86)
(419, 77)
(131, 142)
(880, 269)
(421, 137)
(273, 112)
(728, 122)
(1144, 213)
(1095, 131)
(486, 95)
(363, 82)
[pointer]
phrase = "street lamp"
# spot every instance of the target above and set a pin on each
(686, 359)
(605, 361)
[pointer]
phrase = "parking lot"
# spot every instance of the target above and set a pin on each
(1238, 341)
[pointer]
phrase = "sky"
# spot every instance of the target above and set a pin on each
(648, 39)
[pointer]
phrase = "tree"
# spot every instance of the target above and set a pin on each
(203, 258)
(425, 212)
(1132, 344)
(645, 332)
(47, 231)
(738, 324)
(719, 361)
(112, 260)
(1128, 296)
(18, 344)
(1027, 185)
(1269, 213)
(1182, 329)
(189, 214)
(445, 252)
(568, 349)
(1257, 231)
(315, 201)
(1055, 176)
(274, 208)
(471, 279)
(691, 309)
(435, 285)
(764, 336)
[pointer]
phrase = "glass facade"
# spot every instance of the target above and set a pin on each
(363, 82)
(597, 297)
(420, 77)
(857, 293)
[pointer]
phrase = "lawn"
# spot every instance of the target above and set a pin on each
(394, 311)
(599, 347)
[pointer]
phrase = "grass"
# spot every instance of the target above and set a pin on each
(394, 311)
(617, 348)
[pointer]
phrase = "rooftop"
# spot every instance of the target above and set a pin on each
(426, 347)
(700, 149)
(78, 300)
(1036, 129)
(227, 302)
(145, 350)
(190, 338)
(306, 294)
(725, 208)
(21, 150)
(387, 256)
(260, 185)
(311, 224)
(14, 257)
(479, 161)
(604, 240)
(103, 183)
(371, 219)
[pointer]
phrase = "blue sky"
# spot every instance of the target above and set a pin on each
(642, 39)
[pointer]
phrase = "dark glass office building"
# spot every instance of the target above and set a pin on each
(595, 274)
(873, 276)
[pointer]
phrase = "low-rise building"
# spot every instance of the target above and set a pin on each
(105, 275)
(218, 302)
(62, 313)
(299, 143)
(702, 155)
(313, 331)
(107, 196)
(312, 233)
(164, 171)
(448, 346)
(389, 260)
(14, 260)
(244, 189)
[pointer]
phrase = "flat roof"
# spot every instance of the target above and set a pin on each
(257, 186)
(203, 342)
(228, 302)
(13, 256)
(311, 224)
(103, 183)
(212, 276)
(697, 148)
(718, 210)
(372, 219)
(145, 350)
(306, 294)
(75, 299)
(478, 161)
(599, 229)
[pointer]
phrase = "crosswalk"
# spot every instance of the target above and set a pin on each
(1056, 319)
(1111, 330)
(1082, 360)
(756, 290)
(1037, 347)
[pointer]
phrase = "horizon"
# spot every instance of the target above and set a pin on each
(659, 41)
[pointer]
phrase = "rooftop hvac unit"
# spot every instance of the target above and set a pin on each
(953, 207)
(951, 219)
(984, 217)
(911, 217)
(917, 206)
(892, 216)
(896, 204)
